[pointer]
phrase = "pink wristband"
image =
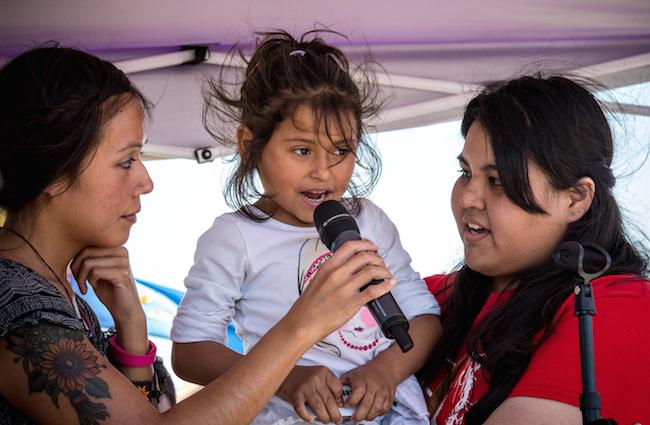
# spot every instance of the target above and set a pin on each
(118, 354)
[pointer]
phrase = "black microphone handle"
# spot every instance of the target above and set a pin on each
(384, 309)
(335, 227)
(389, 316)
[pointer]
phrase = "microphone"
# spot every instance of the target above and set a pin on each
(335, 227)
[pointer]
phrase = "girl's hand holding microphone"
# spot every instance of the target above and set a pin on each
(334, 295)
(326, 304)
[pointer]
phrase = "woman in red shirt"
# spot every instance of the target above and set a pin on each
(535, 171)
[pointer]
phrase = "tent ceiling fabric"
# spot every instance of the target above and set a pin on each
(464, 43)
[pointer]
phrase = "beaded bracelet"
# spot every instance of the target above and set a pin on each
(121, 356)
(147, 389)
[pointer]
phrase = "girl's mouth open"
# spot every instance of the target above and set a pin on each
(314, 198)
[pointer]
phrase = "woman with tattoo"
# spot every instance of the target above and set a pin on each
(71, 131)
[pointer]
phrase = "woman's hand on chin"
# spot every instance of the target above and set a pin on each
(108, 271)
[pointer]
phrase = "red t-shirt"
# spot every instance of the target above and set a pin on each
(621, 329)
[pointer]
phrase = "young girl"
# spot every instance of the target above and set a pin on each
(71, 131)
(535, 171)
(301, 131)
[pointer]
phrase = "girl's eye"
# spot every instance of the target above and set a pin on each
(341, 151)
(302, 151)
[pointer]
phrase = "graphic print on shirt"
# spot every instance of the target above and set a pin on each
(361, 333)
(460, 398)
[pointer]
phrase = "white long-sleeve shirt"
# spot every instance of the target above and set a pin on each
(253, 272)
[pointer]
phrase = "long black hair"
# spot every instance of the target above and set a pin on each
(53, 104)
(556, 123)
(283, 74)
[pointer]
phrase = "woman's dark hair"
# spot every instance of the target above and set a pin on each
(53, 105)
(557, 124)
(283, 74)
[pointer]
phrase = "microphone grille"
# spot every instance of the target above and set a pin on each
(331, 219)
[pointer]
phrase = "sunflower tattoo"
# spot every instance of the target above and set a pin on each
(69, 364)
(57, 361)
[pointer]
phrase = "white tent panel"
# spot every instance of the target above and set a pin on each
(436, 53)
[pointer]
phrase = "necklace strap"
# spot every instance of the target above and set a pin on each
(71, 294)
(38, 254)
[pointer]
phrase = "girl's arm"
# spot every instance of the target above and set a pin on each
(202, 362)
(199, 354)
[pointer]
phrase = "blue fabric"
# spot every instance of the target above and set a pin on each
(159, 304)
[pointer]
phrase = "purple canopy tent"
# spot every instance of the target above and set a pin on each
(435, 53)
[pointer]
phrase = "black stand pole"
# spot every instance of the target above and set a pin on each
(573, 256)
(585, 308)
